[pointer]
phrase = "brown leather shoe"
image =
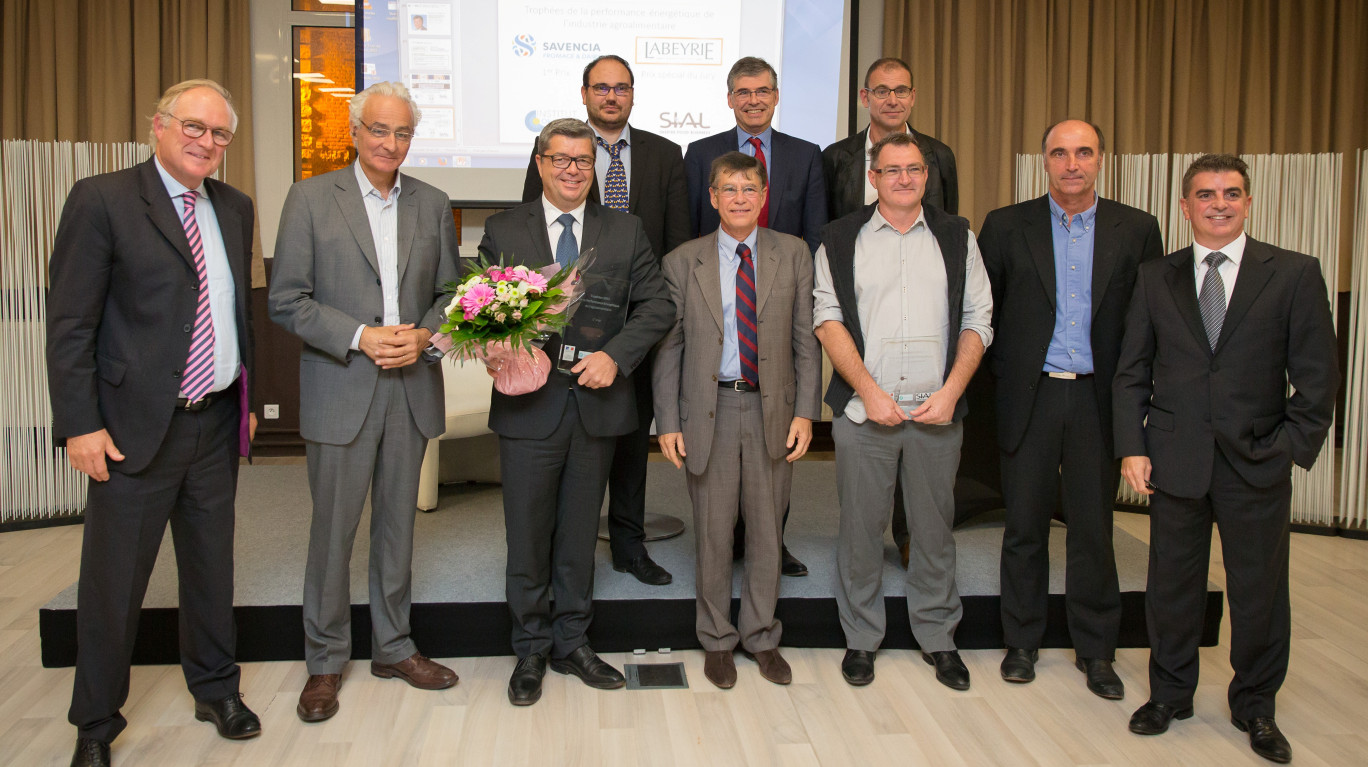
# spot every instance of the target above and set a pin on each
(773, 667)
(418, 671)
(720, 668)
(318, 701)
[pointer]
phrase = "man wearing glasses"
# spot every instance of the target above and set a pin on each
(904, 310)
(149, 345)
(751, 290)
(795, 199)
(559, 439)
(643, 174)
(360, 261)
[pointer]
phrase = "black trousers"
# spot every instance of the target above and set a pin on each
(1258, 521)
(192, 482)
(627, 477)
(1063, 455)
(552, 493)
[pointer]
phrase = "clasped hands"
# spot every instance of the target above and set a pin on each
(937, 409)
(394, 346)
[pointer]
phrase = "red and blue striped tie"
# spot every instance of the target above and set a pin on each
(199, 366)
(747, 339)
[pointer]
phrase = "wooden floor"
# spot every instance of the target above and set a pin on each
(904, 718)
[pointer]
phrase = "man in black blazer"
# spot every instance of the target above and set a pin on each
(556, 443)
(1062, 267)
(889, 96)
(148, 349)
(650, 169)
(1215, 334)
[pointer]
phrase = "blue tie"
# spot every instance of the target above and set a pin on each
(747, 342)
(567, 250)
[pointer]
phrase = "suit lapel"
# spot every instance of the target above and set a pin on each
(541, 241)
(348, 196)
(854, 170)
(230, 226)
(1040, 242)
(1255, 271)
(162, 211)
(764, 276)
(593, 224)
(637, 178)
(777, 177)
(1104, 253)
(1184, 288)
(408, 225)
(709, 281)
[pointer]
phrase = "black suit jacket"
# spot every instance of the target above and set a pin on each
(797, 196)
(1018, 252)
(843, 167)
(657, 192)
(1176, 401)
(122, 302)
(622, 251)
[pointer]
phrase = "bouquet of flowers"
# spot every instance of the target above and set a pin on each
(498, 313)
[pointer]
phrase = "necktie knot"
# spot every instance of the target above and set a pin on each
(1214, 259)
(613, 149)
(190, 196)
(755, 142)
(743, 251)
(566, 220)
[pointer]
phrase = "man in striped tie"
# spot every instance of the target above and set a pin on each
(149, 344)
(737, 382)
(1215, 332)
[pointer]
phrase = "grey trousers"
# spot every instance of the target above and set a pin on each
(739, 468)
(385, 458)
(869, 458)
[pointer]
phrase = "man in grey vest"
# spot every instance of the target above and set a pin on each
(903, 308)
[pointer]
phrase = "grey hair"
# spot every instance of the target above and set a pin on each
(569, 127)
(751, 66)
(356, 105)
(167, 103)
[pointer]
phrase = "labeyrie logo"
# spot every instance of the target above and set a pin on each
(523, 46)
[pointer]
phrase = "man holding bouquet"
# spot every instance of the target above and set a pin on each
(559, 439)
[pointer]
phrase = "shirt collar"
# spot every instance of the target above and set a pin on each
(552, 212)
(1233, 250)
(174, 187)
(726, 244)
(877, 221)
(626, 135)
(367, 188)
(765, 136)
(1057, 213)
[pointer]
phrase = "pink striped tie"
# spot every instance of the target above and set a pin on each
(199, 366)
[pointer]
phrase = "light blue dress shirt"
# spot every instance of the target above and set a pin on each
(383, 216)
(766, 142)
(727, 265)
(1070, 348)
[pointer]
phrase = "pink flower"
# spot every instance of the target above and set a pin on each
(476, 298)
(535, 281)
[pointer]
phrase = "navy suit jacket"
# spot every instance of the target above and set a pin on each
(797, 194)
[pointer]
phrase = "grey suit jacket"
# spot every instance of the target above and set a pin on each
(518, 236)
(326, 282)
(687, 359)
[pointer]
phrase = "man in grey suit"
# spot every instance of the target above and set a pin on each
(751, 290)
(360, 261)
(560, 437)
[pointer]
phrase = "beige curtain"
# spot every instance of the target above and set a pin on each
(1159, 76)
(92, 70)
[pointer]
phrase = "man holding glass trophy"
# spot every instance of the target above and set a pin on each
(903, 308)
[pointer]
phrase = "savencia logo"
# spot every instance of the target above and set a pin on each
(524, 45)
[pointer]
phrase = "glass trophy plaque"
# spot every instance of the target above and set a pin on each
(599, 315)
(910, 369)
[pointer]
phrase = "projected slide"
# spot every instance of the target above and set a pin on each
(489, 75)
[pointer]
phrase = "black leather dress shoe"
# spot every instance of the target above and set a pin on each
(524, 687)
(858, 667)
(790, 566)
(644, 569)
(950, 670)
(1102, 679)
(1265, 738)
(591, 669)
(1153, 718)
(1019, 665)
(231, 716)
(90, 753)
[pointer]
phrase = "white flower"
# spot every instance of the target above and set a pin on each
(500, 316)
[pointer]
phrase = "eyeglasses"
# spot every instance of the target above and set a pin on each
(911, 170)
(731, 191)
(883, 91)
(602, 89)
(195, 129)
(743, 94)
(562, 161)
(402, 136)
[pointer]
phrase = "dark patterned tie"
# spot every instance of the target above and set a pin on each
(1211, 299)
(567, 250)
(747, 341)
(760, 155)
(198, 378)
(615, 183)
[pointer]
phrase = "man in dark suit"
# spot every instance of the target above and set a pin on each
(795, 200)
(1062, 268)
(559, 439)
(888, 94)
(149, 346)
(1215, 333)
(360, 262)
(644, 175)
